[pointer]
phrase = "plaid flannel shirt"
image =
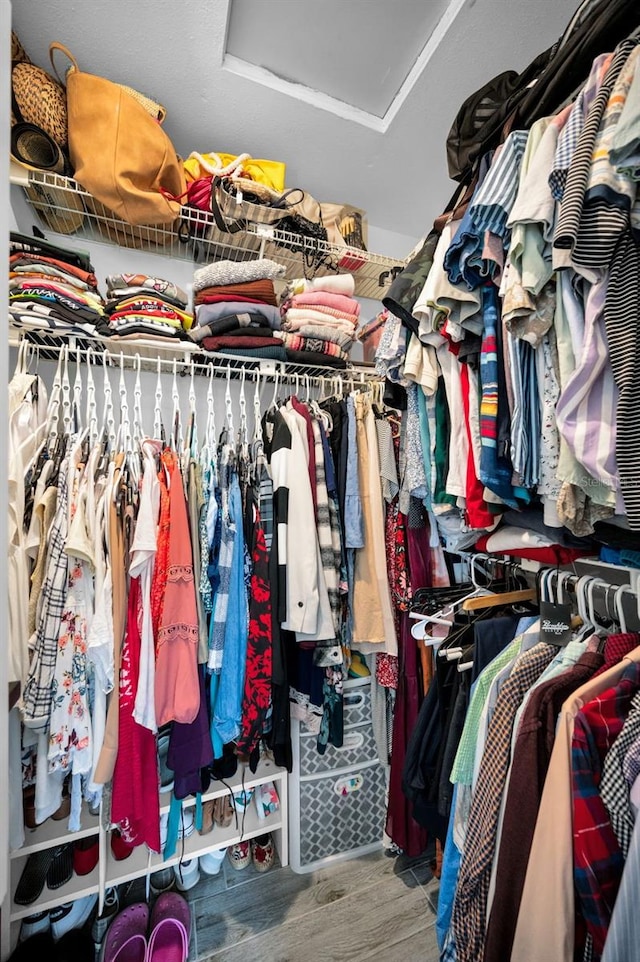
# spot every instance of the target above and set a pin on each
(598, 860)
(38, 691)
(614, 790)
(468, 919)
(221, 601)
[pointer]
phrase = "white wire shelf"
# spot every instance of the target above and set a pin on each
(154, 353)
(64, 207)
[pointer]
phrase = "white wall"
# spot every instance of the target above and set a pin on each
(5, 58)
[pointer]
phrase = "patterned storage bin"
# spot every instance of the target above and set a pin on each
(357, 702)
(337, 801)
(341, 813)
(359, 748)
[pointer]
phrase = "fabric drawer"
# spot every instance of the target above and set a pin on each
(341, 813)
(359, 747)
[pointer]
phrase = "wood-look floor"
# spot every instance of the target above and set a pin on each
(376, 907)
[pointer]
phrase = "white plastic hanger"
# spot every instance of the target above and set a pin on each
(124, 431)
(257, 413)
(242, 431)
(595, 583)
(138, 429)
(581, 587)
(66, 392)
(91, 413)
(77, 395)
(158, 428)
(192, 440)
(210, 429)
(176, 436)
(229, 407)
(276, 383)
(53, 408)
(109, 424)
(617, 601)
(22, 365)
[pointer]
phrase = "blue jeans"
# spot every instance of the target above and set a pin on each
(353, 523)
(228, 702)
(451, 859)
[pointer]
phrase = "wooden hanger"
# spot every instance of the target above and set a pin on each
(492, 601)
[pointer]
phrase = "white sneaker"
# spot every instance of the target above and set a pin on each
(34, 925)
(187, 875)
(71, 915)
(187, 826)
(211, 862)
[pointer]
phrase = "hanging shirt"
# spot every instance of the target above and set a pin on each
(143, 552)
(177, 688)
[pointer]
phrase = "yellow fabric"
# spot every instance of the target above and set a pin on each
(271, 173)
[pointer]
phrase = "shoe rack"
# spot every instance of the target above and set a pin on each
(111, 872)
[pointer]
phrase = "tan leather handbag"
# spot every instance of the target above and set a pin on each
(118, 152)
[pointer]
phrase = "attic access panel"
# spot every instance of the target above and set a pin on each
(358, 53)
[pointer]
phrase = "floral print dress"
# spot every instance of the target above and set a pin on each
(70, 745)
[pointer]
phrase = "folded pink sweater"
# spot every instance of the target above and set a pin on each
(295, 323)
(326, 315)
(326, 298)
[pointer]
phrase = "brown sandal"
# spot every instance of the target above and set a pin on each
(223, 811)
(207, 817)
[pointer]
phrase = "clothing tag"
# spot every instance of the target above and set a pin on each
(555, 623)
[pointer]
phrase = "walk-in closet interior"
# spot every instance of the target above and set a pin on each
(322, 567)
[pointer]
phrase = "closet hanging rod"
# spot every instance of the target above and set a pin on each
(150, 356)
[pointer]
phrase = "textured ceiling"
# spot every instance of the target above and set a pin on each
(175, 51)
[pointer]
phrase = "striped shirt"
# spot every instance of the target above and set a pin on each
(568, 224)
(587, 404)
(495, 468)
(493, 202)
(609, 194)
(622, 317)
(279, 451)
(568, 139)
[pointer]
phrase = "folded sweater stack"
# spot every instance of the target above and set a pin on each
(319, 320)
(53, 290)
(236, 308)
(142, 307)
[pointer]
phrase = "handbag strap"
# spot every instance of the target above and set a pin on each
(284, 202)
(227, 228)
(65, 50)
